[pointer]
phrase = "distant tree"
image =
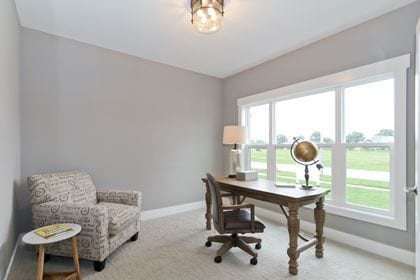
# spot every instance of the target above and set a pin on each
(355, 137)
(258, 142)
(386, 132)
(327, 140)
(300, 137)
(281, 139)
(316, 137)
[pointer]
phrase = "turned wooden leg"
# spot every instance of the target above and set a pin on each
(41, 254)
(319, 214)
(75, 257)
(293, 225)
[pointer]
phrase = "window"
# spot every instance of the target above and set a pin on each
(369, 134)
(357, 119)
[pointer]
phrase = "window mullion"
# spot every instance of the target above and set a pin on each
(271, 150)
(245, 122)
(338, 180)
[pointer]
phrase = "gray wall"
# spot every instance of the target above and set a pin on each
(9, 127)
(387, 36)
(129, 122)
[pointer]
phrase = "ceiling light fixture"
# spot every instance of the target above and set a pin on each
(206, 15)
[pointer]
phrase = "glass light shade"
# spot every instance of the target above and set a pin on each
(207, 15)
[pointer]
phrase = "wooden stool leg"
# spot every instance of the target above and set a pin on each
(41, 262)
(75, 257)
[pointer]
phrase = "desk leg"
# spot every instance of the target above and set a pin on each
(293, 225)
(319, 214)
(208, 207)
(40, 273)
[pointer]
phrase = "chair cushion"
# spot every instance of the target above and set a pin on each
(72, 187)
(120, 216)
(241, 220)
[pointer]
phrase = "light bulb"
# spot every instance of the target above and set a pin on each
(200, 13)
(203, 20)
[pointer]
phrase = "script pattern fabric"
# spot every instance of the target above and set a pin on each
(105, 225)
(120, 216)
(92, 241)
(72, 187)
(122, 197)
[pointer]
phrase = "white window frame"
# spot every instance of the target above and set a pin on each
(395, 68)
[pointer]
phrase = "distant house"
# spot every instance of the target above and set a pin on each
(379, 139)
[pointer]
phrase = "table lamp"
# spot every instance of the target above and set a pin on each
(234, 135)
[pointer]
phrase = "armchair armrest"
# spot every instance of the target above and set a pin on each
(241, 206)
(92, 218)
(123, 197)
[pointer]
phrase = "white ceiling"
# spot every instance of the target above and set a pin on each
(253, 31)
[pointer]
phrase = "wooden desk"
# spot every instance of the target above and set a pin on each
(292, 198)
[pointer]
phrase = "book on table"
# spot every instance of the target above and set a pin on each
(53, 230)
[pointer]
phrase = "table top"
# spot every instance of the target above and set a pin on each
(34, 239)
(268, 187)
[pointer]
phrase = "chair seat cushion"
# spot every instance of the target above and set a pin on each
(120, 216)
(241, 220)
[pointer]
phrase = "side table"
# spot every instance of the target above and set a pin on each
(34, 239)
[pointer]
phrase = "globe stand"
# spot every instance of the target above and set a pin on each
(304, 153)
(306, 187)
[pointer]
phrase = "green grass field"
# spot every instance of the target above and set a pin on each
(360, 191)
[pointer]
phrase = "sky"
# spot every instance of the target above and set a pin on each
(368, 108)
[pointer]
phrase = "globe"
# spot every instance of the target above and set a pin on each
(305, 151)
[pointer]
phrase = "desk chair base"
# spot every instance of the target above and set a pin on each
(235, 241)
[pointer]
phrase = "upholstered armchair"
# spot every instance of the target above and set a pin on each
(108, 218)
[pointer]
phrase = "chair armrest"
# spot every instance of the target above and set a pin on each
(241, 206)
(93, 239)
(92, 218)
(123, 197)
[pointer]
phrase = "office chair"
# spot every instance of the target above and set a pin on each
(233, 220)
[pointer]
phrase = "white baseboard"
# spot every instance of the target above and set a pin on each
(161, 212)
(12, 258)
(396, 254)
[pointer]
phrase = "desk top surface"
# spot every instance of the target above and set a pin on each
(268, 187)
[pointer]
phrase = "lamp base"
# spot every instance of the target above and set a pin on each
(232, 176)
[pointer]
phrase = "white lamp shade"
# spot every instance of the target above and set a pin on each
(234, 135)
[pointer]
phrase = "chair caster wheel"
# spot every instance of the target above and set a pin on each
(258, 246)
(208, 244)
(254, 261)
(218, 259)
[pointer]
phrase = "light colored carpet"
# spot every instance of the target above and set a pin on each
(173, 248)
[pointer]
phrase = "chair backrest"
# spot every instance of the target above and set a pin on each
(67, 187)
(216, 203)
